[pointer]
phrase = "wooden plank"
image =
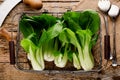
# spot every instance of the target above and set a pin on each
(4, 55)
(61, 0)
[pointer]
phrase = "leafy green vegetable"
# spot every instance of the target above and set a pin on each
(26, 42)
(32, 29)
(90, 19)
(35, 54)
(70, 37)
(48, 50)
(71, 20)
(62, 58)
(86, 58)
(25, 28)
(76, 61)
(51, 33)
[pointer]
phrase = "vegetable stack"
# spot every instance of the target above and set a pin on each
(70, 37)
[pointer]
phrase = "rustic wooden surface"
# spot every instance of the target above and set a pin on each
(9, 72)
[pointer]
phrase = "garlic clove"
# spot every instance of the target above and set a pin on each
(104, 5)
(114, 11)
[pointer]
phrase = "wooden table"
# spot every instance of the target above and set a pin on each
(9, 72)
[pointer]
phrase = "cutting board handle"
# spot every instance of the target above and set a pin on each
(12, 52)
(10, 38)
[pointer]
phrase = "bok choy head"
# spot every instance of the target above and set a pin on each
(34, 31)
(69, 38)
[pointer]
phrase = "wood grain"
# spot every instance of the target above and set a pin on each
(9, 72)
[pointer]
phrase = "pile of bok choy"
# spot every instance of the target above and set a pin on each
(70, 37)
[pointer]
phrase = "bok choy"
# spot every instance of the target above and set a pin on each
(69, 38)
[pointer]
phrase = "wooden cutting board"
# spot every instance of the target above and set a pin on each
(8, 72)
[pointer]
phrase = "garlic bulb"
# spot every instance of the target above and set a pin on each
(114, 11)
(104, 5)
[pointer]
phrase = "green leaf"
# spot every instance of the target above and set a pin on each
(90, 19)
(71, 20)
(25, 43)
(51, 33)
(25, 28)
